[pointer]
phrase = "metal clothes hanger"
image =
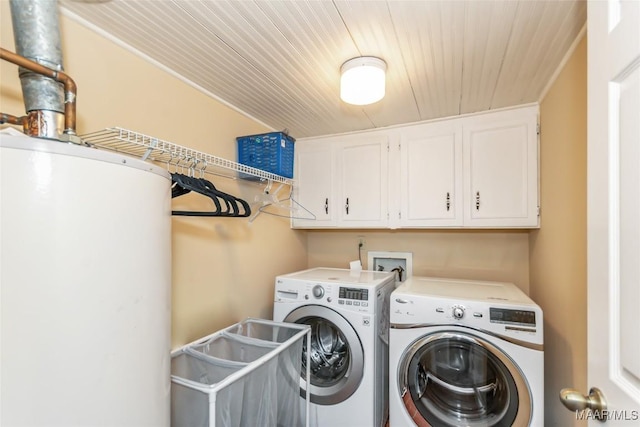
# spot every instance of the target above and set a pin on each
(270, 199)
(177, 190)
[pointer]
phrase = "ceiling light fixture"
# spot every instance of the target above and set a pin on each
(363, 80)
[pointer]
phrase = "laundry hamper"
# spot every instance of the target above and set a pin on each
(246, 375)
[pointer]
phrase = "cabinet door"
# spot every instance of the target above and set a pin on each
(314, 185)
(363, 187)
(431, 175)
(500, 153)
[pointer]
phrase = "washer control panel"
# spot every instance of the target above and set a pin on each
(353, 298)
(358, 298)
(354, 294)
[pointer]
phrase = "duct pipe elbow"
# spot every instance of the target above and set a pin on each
(39, 54)
(36, 118)
(37, 36)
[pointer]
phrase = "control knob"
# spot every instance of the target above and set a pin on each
(458, 312)
(318, 291)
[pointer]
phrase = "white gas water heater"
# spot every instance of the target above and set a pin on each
(85, 259)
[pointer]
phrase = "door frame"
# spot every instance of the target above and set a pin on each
(613, 108)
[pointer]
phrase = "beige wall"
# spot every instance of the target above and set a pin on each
(223, 269)
(558, 250)
(483, 255)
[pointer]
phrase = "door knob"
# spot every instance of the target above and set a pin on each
(576, 401)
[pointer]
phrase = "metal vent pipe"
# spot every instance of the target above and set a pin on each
(37, 37)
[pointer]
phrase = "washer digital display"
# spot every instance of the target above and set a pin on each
(515, 317)
(354, 293)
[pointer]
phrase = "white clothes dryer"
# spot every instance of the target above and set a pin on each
(348, 312)
(465, 353)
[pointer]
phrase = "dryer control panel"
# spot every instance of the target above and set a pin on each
(513, 317)
(520, 322)
(498, 308)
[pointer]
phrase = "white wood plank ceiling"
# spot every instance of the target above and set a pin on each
(279, 61)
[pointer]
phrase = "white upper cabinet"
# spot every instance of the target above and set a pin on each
(478, 171)
(315, 176)
(363, 180)
(342, 181)
(500, 154)
(430, 175)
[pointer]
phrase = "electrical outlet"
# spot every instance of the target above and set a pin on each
(361, 241)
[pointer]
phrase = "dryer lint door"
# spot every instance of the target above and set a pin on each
(455, 378)
(337, 357)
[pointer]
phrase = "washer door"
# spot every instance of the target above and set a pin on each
(455, 378)
(337, 357)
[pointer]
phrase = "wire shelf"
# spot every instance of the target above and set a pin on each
(148, 148)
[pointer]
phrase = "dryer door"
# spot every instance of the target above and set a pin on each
(453, 378)
(337, 357)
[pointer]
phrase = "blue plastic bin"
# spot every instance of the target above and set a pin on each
(270, 152)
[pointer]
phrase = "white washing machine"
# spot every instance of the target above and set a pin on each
(465, 353)
(348, 312)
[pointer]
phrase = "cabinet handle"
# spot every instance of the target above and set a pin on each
(477, 200)
(326, 206)
(448, 201)
(346, 206)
